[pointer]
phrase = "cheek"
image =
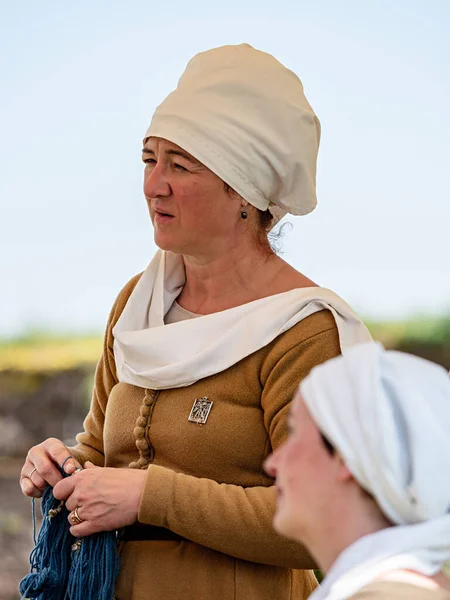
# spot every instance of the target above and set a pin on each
(297, 468)
(292, 480)
(288, 461)
(202, 208)
(307, 480)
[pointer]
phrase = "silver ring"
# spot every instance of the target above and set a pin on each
(29, 476)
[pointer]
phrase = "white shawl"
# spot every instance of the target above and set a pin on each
(153, 355)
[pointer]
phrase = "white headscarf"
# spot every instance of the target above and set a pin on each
(244, 115)
(388, 415)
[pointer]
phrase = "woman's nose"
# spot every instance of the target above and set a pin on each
(270, 464)
(155, 182)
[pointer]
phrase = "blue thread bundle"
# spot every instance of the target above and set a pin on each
(67, 568)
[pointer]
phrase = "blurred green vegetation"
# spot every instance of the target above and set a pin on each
(44, 351)
(421, 329)
(427, 336)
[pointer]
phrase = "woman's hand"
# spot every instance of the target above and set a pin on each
(104, 498)
(41, 467)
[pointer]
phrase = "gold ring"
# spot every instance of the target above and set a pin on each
(75, 517)
(29, 476)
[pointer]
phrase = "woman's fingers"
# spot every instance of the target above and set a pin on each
(85, 528)
(104, 498)
(60, 458)
(42, 467)
(31, 482)
(37, 480)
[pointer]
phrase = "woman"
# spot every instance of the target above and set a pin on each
(370, 443)
(203, 351)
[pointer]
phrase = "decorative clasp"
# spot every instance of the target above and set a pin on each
(200, 410)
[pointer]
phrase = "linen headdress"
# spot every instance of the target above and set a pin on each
(245, 116)
(388, 414)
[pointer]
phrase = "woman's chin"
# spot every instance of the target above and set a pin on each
(284, 523)
(175, 245)
(165, 243)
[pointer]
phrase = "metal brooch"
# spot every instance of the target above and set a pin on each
(200, 410)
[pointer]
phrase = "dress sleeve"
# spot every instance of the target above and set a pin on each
(90, 441)
(229, 518)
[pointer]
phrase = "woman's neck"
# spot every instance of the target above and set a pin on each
(224, 281)
(349, 518)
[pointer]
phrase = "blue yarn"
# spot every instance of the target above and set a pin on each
(94, 568)
(64, 567)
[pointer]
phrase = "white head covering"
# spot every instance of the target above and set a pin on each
(388, 414)
(244, 115)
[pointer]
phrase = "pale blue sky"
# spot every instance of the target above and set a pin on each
(79, 83)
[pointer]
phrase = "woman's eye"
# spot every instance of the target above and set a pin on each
(149, 161)
(179, 167)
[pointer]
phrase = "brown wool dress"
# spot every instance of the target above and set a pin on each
(206, 483)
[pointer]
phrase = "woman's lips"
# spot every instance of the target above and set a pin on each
(163, 217)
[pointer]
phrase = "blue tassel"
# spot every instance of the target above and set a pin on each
(66, 568)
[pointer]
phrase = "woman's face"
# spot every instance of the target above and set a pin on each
(305, 475)
(190, 209)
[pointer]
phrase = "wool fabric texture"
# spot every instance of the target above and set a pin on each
(388, 414)
(206, 483)
(150, 354)
(245, 116)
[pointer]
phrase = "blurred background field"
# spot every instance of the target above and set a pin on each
(37, 351)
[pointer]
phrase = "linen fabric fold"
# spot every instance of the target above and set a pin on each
(153, 355)
(388, 414)
(245, 116)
